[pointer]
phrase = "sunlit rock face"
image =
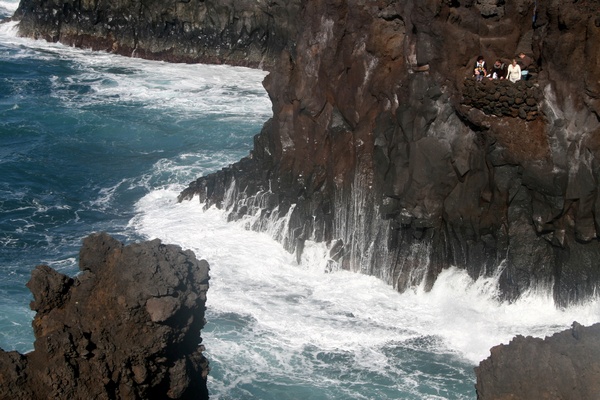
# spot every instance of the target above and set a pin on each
(374, 148)
(127, 327)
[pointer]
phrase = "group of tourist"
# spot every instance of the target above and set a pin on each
(518, 69)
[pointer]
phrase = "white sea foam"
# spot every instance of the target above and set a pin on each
(8, 7)
(180, 88)
(8, 29)
(183, 89)
(299, 306)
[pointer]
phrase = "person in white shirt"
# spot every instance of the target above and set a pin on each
(514, 72)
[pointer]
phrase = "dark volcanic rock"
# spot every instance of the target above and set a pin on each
(384, 147)
(127, 327)
(239, 32)
(380, 145)
(563, 366)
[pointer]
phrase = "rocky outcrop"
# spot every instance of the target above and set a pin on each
(372, 147)
(247, 32)
(127, 327)
(563, 366)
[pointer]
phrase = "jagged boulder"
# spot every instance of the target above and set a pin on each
(127, 327)
(563, 366)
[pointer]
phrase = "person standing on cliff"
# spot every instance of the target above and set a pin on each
(480, 70)
(525, 63)
(514, 72)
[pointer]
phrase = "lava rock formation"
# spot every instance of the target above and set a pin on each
(246, 32)
(127, 327)
(563, 366)
(378, 147)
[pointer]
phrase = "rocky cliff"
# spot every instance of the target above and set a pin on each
(563, 366)
(380, 145)
(127, 327)
(239, 32)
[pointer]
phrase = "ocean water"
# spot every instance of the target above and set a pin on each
(95, 142)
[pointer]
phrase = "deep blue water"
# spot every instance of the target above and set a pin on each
(83, 136)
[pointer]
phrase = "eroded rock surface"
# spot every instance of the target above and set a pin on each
(563, 366)
(127, 327)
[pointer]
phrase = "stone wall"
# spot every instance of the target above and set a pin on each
(504, 98)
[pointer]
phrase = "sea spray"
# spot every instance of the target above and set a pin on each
(279, 323)
(7, 8)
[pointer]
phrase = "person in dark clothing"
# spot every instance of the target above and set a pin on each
(480, 69)
(525, 62)
(498, 70)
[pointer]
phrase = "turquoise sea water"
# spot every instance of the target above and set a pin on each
(83, 136)
(95, 142)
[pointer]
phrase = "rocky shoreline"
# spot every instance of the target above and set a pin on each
(244, 33)
(375, 148)
(127, 327)
(382, 147)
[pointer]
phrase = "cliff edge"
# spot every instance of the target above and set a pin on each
(237, 32)
(127, 327)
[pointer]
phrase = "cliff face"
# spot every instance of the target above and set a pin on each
(246, 32)
(379, 147)
(563, 366)
(127, 327)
